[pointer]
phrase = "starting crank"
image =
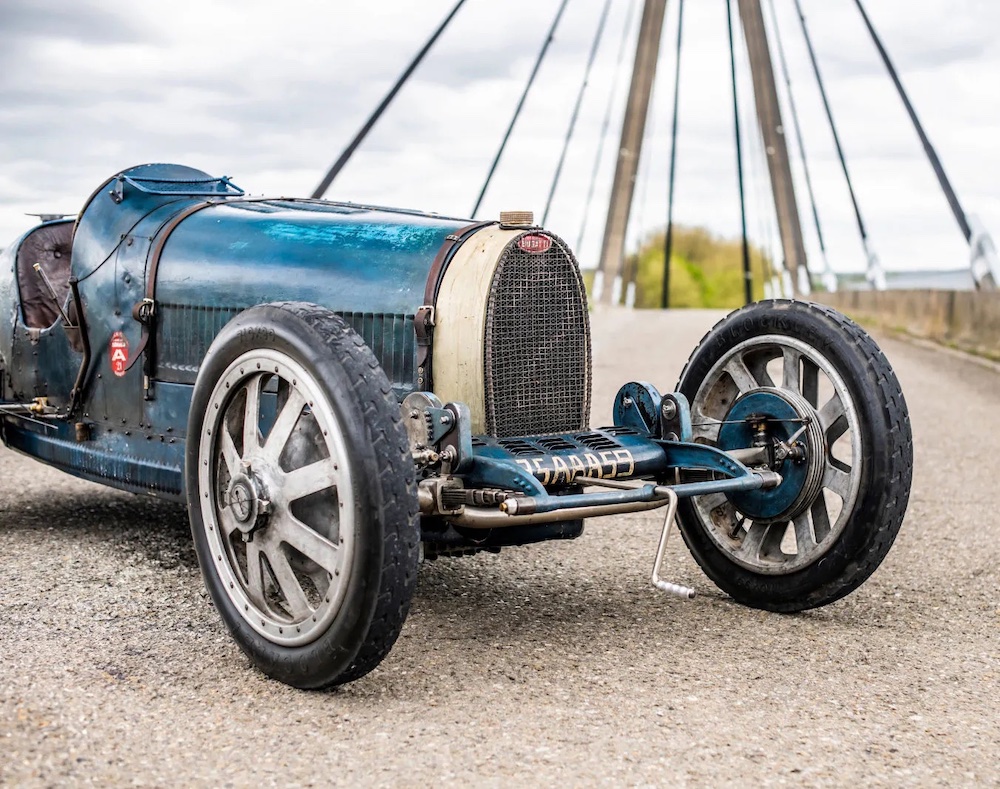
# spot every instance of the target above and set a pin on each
(677, 590)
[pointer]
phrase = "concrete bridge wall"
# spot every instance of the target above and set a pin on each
(967, 320)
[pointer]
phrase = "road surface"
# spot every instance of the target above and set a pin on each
(544, 665)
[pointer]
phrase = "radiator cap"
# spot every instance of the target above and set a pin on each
(517, 219)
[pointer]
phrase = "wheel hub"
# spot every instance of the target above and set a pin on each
(799, 455)
(247, 499)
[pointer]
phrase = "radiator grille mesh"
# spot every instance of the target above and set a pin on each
(537, 344)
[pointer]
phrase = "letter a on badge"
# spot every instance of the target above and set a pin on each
(118, 352)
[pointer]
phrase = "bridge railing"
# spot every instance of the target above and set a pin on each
(966, 320)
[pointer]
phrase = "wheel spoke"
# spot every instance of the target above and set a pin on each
(810, 381)
(837, 429)
(820, 518)
(284, 424)
(772, 543)
(758, 369)
(790, 369)
(288, 584)
(255, 575)
(227, 448)
(838, 464)
(832, 410)
(251, 416)
(804, 540)
(741, 374)
(227, 521)
(307, 542)
(309, 479)
(837, 481)
(760, 539)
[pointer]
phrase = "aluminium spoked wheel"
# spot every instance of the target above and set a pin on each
(301, 495)
(806, 380)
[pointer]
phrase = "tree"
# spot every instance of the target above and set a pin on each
(706, 270)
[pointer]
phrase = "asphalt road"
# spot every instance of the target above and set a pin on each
(552, 664)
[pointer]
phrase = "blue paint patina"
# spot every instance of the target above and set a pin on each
(378, 258)
(363, 237)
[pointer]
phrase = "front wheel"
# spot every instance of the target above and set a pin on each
(301, 495)
(805, 375)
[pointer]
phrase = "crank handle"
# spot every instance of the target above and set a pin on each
(678, 590)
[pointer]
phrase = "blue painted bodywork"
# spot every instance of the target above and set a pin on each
(368, 266)
(228, 252)
(216, 252)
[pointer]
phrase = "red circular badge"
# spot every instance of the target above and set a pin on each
(535, 243)
(118, 352)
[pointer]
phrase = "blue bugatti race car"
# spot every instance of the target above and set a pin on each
(335, 390)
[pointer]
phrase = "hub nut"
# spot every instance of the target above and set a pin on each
(248, 501)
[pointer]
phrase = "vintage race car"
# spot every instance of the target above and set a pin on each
(335, 390)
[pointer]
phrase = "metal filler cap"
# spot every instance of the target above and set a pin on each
(517, 219)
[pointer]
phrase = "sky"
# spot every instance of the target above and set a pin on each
(269, 94)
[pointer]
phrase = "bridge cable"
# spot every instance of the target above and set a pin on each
(747, 274)
(828, 276)
(872, 260)
(668, 243)
(332, 173)
(576, 108)
(956, 207)
(520, 105)
(606, 123)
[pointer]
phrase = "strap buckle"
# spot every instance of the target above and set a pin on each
(423, 324)
(144, 311)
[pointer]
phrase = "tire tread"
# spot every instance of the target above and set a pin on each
(398, 511)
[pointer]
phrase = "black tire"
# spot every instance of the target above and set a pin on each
(841, 549)
(322, 498)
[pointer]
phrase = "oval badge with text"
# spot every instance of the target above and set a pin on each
(118, 352)
(535, 243)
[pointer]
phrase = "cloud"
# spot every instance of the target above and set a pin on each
(24, 21)
(270, 94)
